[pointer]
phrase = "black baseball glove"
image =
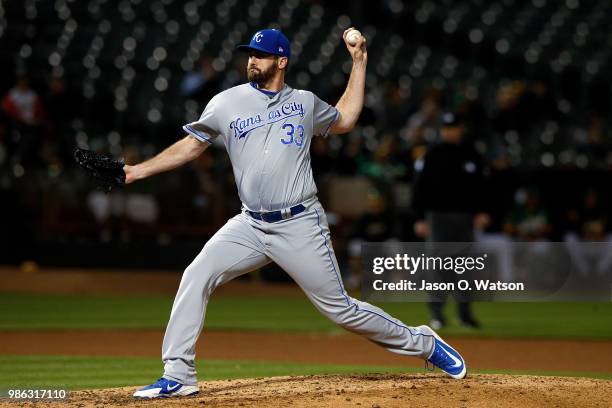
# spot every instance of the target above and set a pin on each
(106, 171)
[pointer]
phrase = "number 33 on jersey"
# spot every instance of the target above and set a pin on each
(267, 133)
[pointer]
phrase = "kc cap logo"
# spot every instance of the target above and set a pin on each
(269, 41)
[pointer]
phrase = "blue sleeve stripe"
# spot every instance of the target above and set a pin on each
(332, 122)
(198, 135)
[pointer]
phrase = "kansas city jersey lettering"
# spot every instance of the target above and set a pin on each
(241, 127)
(268, 141)
(288, 109)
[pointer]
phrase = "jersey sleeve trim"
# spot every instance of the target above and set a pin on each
(326, 133)
(202, 137)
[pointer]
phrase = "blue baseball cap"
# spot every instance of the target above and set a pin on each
(269, 41)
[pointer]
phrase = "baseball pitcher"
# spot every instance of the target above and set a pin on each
(267, 128)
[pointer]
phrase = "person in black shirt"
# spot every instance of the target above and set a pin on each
(449, 201)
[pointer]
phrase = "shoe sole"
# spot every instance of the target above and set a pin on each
(463, 372)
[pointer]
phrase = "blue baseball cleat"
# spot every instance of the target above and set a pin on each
(164, 388)
(445, 357)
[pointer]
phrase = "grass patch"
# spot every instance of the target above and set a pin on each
(80, 372)
(73, 312)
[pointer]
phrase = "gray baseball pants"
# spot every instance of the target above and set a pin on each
(301, 245)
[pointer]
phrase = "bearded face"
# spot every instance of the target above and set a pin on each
(260, 75)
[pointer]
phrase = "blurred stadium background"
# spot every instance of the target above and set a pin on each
(531, 77)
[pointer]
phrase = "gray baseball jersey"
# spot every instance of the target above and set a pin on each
(268, 141)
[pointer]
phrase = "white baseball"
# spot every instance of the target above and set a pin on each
(353, 36)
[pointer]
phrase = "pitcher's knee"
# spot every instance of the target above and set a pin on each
(202, 278)
(345, 315)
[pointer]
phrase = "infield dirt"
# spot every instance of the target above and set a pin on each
(321, 348)
(382, 391)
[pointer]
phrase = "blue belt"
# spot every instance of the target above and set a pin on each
(275, 216)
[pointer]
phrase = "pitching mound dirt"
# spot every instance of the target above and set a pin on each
(370, 391)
